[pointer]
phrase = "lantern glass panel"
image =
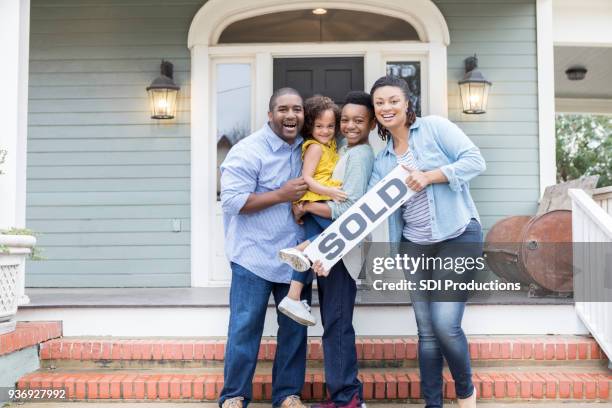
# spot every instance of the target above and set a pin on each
(474, 96)
(163, 103)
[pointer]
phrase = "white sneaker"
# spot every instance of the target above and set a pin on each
(294, 258)
(297, 310)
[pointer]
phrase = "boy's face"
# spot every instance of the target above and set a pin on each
(356, 123)
(287, 117)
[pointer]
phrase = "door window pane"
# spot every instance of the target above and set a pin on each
(233, 102)
(410, 71)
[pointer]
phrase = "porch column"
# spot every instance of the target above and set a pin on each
(14, 33)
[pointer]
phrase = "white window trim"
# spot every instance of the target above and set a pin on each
(205, 30)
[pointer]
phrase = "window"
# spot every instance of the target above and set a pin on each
(410, 71)
(304, 26)
(233, 104)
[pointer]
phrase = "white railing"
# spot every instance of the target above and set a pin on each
(592, 236)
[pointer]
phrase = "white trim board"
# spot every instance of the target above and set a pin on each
(368, 320)
(578, 105)
(208, 265)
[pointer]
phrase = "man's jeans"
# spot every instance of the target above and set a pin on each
(337, 299)
(249, 295)
(439, 322)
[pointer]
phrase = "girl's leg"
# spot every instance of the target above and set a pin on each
(292, 304)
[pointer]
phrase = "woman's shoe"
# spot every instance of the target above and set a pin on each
(297, 310)
(469, 402)
(294, 258)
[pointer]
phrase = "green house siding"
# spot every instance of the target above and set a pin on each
(107, 185)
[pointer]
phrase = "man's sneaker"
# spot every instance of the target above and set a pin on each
(235, 402)
(295, 259)
(297, 310)
(293, 401)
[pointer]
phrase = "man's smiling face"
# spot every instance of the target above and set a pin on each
(287, 117)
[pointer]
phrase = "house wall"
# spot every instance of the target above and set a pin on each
(106, 183)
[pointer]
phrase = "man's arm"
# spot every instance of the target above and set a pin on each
(239, 175)
(291, 191)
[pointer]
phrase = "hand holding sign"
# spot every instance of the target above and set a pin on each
(360, 219)
(416, 180)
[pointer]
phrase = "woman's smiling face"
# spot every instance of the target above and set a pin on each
(356, 123)
(324, 128)
(390, 106)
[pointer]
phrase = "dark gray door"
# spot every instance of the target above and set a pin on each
(332, 77)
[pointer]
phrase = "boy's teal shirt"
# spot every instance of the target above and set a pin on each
(436, 143)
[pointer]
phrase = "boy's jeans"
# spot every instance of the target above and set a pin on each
(249, 295)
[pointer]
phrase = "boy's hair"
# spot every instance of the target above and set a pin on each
(313, 108)
(280, 92)
(360, 98)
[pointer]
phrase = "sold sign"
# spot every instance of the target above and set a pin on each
(360, 219)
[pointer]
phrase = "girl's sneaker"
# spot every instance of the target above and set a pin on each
(297, 310)
(294, 258)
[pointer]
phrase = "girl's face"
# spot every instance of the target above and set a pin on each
(390, 106)
(324, 127)
(356, 123)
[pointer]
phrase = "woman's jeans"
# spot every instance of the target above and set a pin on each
(439, 316)
(313, 226)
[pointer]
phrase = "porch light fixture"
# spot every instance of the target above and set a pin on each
(162, 93)
(474, 88)
(319, 11)
(576, 73)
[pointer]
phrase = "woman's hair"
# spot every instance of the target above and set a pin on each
(361, 98)
(397, 82)
(313, 108)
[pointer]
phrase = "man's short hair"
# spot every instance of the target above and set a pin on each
(360, 98)
(281, 92)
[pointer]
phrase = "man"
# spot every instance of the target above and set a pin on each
(259, 181)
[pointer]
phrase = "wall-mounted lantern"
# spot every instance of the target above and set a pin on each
(162, 93)
(474, 88)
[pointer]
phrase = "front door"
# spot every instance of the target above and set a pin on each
(332, 77)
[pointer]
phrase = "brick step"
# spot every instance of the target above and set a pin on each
(540, 350)
(379, 385)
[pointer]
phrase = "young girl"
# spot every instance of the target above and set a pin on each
(319, 154)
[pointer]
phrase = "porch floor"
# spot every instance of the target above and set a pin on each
(219, 297)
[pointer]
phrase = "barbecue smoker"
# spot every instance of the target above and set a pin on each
(535, 251)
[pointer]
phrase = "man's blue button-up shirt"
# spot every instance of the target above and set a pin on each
(259, 163)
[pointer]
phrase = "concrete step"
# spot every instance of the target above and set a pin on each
(493, 384)
(109, 352)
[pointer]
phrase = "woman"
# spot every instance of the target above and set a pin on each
(438, 221)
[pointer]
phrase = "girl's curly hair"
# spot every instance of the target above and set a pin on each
(313, 108)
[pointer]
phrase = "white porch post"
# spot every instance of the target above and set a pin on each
(14, 33)
(546, 94)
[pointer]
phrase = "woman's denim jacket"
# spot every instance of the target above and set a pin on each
(436, 143)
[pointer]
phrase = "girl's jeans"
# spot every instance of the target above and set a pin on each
(313, 226)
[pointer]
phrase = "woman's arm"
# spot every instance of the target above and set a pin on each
(312, 156)
(466, 160)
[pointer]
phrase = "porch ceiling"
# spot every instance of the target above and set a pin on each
(598, 62)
